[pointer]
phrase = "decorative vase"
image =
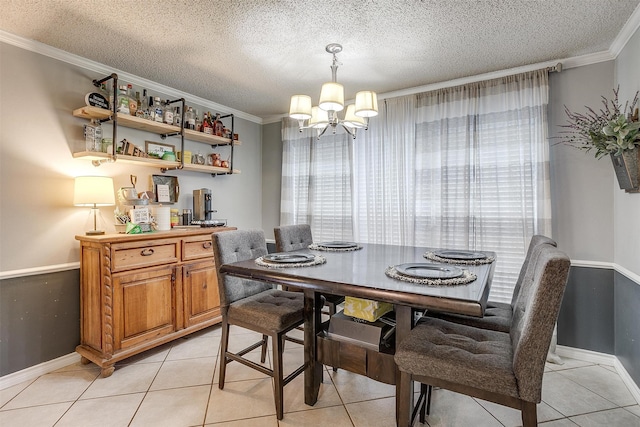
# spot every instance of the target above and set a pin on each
(627, 168)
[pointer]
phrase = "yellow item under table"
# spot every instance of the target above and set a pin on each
(366, 309)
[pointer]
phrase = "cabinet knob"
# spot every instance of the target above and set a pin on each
(206, 245)
(204, 286)
(147, 252)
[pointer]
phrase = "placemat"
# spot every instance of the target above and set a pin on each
(467, 277)
(317, 260)
(316, 247)
(434, 257)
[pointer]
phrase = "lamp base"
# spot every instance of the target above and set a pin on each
(94, 232)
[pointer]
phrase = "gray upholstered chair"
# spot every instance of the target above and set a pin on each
(295, 237)
(256, 306)
(498, 315)
(504, 368)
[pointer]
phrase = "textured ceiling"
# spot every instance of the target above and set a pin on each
(252, 55)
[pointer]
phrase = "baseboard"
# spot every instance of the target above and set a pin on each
(33, 372)
(602, 359)
(628, 381)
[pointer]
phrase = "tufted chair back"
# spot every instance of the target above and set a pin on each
(292, 237)
(527, 267)
(534, 320)
(233, 246)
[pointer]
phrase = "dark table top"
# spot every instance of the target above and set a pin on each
(361, 273)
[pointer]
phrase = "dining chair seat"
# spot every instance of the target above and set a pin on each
(271, 310)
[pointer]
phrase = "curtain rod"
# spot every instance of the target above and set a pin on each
(555, 68)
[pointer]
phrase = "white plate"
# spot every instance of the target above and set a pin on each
(462, 255)
(288, 258)
(429, 270)
(338, 245)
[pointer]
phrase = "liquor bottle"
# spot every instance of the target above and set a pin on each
(168, 113)
(207, 125)
(123, 101)
(198, 122)
(143, 109)
(151, 114)
(139, 110)
(177, 117)
(218, 127)
(158, 110)
(133, 105)
(190, 119)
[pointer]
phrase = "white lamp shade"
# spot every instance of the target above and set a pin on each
(351, 120)
(93, 190)
(319, 118)
(300, 108)
(332, 97)
(366, 104)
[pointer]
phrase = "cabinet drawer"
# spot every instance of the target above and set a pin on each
(126, 256)
(197, 247)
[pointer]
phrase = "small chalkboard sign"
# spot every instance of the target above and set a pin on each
(96, 99)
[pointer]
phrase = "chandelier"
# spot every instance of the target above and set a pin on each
(325, 115)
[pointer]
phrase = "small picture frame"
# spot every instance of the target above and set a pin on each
(157, 149)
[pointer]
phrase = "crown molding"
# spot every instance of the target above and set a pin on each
(629, 29)
(70, 58)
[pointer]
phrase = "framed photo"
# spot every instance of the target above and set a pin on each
(157, 149)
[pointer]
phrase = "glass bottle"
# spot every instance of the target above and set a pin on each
(207, 126)
(158, 110)
(143, 110)
(218, 127)
(168, 113)
(151, 113)
(198, 122)
(190, 119)
(133, 104)
(177, 117)
(123, 101)
(139, 110)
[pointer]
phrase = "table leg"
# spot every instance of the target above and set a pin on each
(404, 386)
(312, 322)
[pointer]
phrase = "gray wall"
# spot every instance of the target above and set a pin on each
(39, 319)
(271, 177)
(38, 134)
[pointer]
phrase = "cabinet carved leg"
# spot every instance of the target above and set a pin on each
(84, 360)
(107, 371)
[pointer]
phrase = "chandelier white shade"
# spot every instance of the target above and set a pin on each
(331, 101)
(300, 107)
(332, 97)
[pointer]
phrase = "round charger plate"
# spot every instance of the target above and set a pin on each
(338, 245)
(463, 255)
(288, 258)
(429, 270)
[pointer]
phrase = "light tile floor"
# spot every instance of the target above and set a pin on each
(177, 385)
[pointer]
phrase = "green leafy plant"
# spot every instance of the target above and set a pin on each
(611, 130)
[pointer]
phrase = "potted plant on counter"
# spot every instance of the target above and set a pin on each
(614, 131)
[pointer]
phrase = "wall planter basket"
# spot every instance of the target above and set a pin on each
(627, 168)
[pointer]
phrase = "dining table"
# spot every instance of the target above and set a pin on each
(362, 273)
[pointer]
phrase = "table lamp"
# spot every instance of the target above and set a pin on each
(94, 191)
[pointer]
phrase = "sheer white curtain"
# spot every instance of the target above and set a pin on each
(482, 171)
(461, 168)
(317, 182)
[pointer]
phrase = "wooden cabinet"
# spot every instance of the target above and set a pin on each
(141, 291)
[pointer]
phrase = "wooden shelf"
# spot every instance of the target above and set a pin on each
(149, 161)
(134, 122)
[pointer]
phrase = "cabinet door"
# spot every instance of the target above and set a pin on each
(201, 298)
(143, 306)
